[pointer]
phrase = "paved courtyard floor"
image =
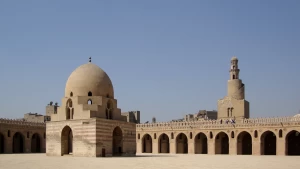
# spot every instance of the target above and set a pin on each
(41, 161)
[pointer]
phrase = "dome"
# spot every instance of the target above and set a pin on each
(297, 115)
(89, 78)
(234, 58)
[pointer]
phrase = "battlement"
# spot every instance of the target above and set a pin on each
(20, 122)
(290, 120)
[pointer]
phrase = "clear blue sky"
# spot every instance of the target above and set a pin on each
(165, 58)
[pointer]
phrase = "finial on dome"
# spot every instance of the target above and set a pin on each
(90, 59)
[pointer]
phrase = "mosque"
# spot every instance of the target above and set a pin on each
(233, 132)
(89, 123)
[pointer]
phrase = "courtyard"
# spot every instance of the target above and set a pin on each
(41, 161)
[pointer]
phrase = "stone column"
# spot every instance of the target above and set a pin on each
(211, 146)
(27, 143)
(232, 146)
(280, 146)
(172, 146)
(256, 146)
(8, 144)
(155, 145)
(191, 146)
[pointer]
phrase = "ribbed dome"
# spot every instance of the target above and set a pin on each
(89, 78)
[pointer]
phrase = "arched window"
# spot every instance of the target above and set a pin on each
(71, 94)
(233, 76)
(232, 134)
(90, 93)
(90, 102)
(210, 135)
(107, 95)
(191, 135)
(255, 134)
(69, 110)
(154, 135)
(280, 133)
(109, 110)
(172, 135)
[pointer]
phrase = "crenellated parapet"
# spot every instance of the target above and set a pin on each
(21, 122)
(217, 124)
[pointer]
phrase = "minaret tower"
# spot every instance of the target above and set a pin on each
(234, 105)
(235, 88)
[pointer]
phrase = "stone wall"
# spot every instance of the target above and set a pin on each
(257, 131)
(91, 137)
(22, 137)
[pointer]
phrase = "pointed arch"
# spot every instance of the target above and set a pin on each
(89, 102)
(292, 141)
(90, 93)
(222, 143)
(163, 143)
(147, 144)
(117, 141)
(200, 143)
(66, 141)
(244, 143)
(268, 143)
(36, 143)
(18, 143)
(181, 144)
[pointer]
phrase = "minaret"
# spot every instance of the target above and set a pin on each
(234, 105)
(234, 68)
(236, 89)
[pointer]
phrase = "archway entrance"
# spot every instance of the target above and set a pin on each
(244, 143)
(147, 144)
(222, 143)
(35, 143)
(163, 144)
(66, 141)
(181, 144)
(268, 143)
(117, 141)
(292, 142)
(200, 144)
(2, 143)
(18, 143)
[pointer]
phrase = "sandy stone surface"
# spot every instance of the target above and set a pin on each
(41, 161)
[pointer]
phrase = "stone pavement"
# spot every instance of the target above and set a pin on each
(41, 161)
